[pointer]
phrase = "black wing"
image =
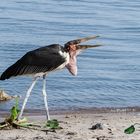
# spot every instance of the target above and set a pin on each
(40, 60)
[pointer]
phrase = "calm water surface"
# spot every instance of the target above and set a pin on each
(108, 76)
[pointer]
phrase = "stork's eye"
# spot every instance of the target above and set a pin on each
(66, 47)
(73, 47)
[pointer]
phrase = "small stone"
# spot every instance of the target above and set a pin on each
(101, 138)
(38, 138)
(71, 133)
(97, 126)
(67, 116)
(4, 96)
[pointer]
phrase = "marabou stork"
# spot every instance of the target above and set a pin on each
(41, 61)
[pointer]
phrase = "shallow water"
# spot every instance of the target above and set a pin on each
(108, 76)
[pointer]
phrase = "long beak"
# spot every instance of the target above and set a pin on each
(78, 41)
(82, 47)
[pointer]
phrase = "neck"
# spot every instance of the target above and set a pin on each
(72, 65)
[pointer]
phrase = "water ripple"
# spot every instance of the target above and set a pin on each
(107, 76)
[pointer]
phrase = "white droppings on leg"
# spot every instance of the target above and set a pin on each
(45, 99)
(26, 98)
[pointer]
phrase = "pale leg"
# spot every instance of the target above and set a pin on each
(45, 98)
(26, 98)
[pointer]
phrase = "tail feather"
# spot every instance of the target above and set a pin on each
(10, 72)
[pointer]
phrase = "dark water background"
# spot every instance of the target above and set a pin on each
(108, 76)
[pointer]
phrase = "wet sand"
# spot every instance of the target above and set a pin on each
(76, 125)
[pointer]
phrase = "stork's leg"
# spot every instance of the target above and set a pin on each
(26, 98)
(45, 97)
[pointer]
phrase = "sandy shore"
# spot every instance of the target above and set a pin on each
(76, 126)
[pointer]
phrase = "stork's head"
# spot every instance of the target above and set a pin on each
(74, 48)
(73, 45)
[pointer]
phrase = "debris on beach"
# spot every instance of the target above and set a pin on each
(131, 129)
(4, 96)
(71, 133)
(102, 138)
(13, 122)
(97, 126)
(53, 124)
